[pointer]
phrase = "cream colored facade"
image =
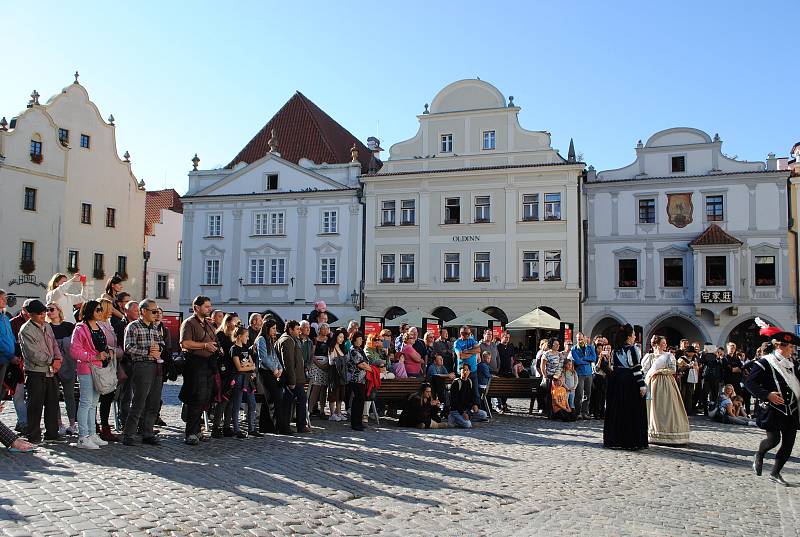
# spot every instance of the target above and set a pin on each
(471, 150)
(68, 175)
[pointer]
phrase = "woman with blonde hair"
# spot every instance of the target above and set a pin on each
(67, 373)
(115, 349)
(57, 292)
(666, 415)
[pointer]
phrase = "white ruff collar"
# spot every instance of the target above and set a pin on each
(785, 369)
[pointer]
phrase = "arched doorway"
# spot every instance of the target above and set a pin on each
(394, 311)
(746, 337)
(675, 328)
(497, 313)
(606, 327)
(444, 313)
(551, 311)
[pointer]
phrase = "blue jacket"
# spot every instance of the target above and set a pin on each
(583, 359)
(484, 374)
(7, 340)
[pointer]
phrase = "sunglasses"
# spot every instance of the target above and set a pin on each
(98, 310)
(51, 310)
(152, 311)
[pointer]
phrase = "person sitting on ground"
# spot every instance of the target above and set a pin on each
(463, 410)
(10, 440)
(562, 411)
(728, 411)
(570, 381)
(422, 410)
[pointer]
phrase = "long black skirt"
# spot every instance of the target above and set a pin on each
(625, 425)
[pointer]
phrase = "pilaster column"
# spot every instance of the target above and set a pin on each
(236, 256)
(751, 190)
(424, 230)
(187, 250)
(615, 214)
(304, 266)
(353, 251)
(649, 277)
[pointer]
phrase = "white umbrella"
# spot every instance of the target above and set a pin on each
(342, 323)
(413, 318)
(533, 320)
(473, 318)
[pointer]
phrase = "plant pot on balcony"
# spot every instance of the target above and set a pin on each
(27, 266)
(36, 158)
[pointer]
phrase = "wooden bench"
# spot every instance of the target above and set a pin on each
(397, 389)
(514, 388)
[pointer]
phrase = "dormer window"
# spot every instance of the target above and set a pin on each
(679, 164)
(36, 151)
(447, 143)
(63, 136)
(488, 139)
(272, 181)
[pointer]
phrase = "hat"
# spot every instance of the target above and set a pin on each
(786, 337)
(34, 306)
(775, 333)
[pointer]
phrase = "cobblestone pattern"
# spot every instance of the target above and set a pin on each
(518, 475)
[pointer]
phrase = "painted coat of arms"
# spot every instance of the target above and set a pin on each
(679, 209)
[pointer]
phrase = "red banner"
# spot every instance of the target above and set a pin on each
(497, 331)
(433, 327)
(372, 327)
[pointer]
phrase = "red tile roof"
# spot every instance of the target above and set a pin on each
(714, 235)
(157, 200)
(303, 130)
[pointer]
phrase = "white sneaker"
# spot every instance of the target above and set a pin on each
(97, 440)
(85, 442)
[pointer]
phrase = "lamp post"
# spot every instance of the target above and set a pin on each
(146, 257)
(354, 298)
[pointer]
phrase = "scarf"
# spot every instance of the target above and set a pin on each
(785, 369)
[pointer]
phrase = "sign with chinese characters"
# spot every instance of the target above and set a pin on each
(716, 297)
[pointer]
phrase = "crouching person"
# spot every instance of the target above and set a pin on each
(463, 410)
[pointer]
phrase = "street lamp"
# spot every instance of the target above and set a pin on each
(354, 298)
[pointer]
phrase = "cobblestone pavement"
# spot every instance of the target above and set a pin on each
(518, 475)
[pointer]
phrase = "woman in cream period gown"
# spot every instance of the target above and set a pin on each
(667, 422)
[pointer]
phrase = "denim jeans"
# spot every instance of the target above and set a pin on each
(20, 407)
(236, 404)
(87, 406)
(571, 399)
(456, 419)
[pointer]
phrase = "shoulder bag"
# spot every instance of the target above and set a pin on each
(104, 379)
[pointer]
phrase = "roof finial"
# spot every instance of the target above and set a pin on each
(111, 119)
(354, 153)
(141, 184)
(639, 144)
(34, 97)
(716, 137)
(511, 101)
(76, 75)
(273, 142)
(126, 156)
(426, 109)
(3, 124)
(195, 162)
(571, 152)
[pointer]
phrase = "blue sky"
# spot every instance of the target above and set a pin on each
(186, 77)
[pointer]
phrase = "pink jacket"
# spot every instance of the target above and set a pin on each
(83, 351)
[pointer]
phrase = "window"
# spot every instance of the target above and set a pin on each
(552, 206)
(277, 223)
(628, 273)
(673, 272)
(269, 223)
(85, 141)
(387, 268)
(36, 151)
(272, 181)
(329, 222)
(122, 266)
(452, 267)
(530, 207)
(86, 213)
(73, 261)
(481, 266)
(714, 209)
(215, 225)
(406, 267)
(327, 270)
(260, 223)
(530, 266)
(765, 270)
(30, 199)
(409, 216)
(647, 211)
(387, 213)
(161, 286)
(277, 271)
(447, 143)
(111, 217)
(63, 136)
(482, 209)
(552, 266)
(26, 255)
(211, 274)
(258, 271)
(452, 211)
(98, 263)
(678, 164)
(488, 139)
(716, 270)
(180, 250)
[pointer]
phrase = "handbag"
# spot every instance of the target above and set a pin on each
(691, 376)
(104, 379)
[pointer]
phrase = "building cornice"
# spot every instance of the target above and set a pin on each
(676, 180)
(267, 196)
(557, 166)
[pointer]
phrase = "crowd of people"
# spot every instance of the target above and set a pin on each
(118, 351)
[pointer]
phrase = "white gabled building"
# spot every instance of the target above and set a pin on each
(70, 203)
(281, 225)
(163, 234)
(687, 242)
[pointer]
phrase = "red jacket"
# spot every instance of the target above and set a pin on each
(373, 379)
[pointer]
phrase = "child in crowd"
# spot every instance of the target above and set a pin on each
(244, 388)
(562, 411)
(570, 380)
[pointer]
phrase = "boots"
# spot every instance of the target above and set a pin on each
(107, 435)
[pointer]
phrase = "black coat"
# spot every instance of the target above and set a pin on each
(760, 382)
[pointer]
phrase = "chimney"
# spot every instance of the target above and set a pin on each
(772, 162)
(375, 163)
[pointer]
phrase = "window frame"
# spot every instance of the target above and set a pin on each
(387, 261)
(720, 205)
(487, 263)
(86, 213)
(534, 205)
(673, 161)
(484, 207)
(268, 177)
(65, 138)
(37, 151)
(556, 261)
(35, 195)
(122, 265)
(24, 250)
(627, 283)
(651, 209)
(774, 270)
(332, 225)
(328, 265)
(179, 253)
(73, 268)
(552, 204)
(209, 262)
(489, 135)
(101, 266)
(162, 286)
(388, 211)
(708, 281)
(277, 265)
(411, 211)
(86, 141)
(111, 211)
(407, 275)
(253, 275)
(456, 264)
(664, 272)
(450, 221)
(528, 264)
(446, 143)
(209, 233)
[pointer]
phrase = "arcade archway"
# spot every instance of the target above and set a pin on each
(444, 313)
(497, 313)
(675, 328)
(394, 311)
